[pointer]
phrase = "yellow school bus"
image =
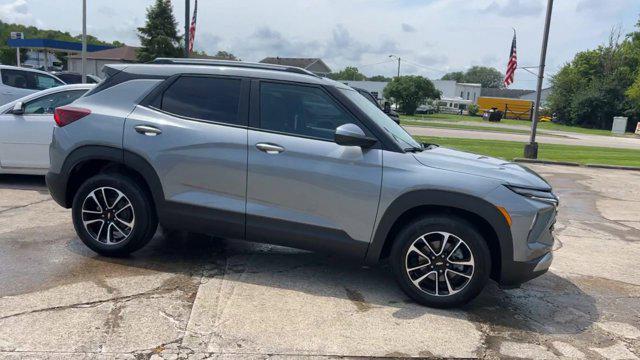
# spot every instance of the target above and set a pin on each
(511, 108)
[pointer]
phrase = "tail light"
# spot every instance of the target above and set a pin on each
(65, 115)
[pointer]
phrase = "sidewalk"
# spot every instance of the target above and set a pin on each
(560, 138)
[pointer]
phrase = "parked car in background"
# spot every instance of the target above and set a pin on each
(425, 109)
(71, 77)
(387, 109)
(17, 82)
(279, 155)
(26, 126)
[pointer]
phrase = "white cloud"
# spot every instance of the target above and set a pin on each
(17, 11)
(437, 35)
(514, 8)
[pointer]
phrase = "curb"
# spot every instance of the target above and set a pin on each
(566, 163)
(546, 162)
(616, 167)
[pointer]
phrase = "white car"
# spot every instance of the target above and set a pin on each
(17, 82)
(26, 126)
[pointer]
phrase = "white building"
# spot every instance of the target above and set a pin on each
(463, 91)
(450, 89)
(376, 88)
(96, 60)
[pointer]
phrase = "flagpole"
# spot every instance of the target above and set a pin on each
(531, 149)
(187, 25)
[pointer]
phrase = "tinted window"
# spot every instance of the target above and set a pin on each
(28, 80)
(205, 98)
(48, 103)
(71, 78)
(300, 110)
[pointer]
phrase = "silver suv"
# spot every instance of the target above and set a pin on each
(275, 154)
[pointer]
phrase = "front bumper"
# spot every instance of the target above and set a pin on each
(515, 273)
(532, 238)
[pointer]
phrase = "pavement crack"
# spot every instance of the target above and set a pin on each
(24, 206)
(87, 304)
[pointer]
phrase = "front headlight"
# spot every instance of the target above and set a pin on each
(535, 194)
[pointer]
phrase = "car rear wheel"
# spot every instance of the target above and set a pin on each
(441, 261)
(113, 215)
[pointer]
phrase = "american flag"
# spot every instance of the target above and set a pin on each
(192, 28)
(513, 62)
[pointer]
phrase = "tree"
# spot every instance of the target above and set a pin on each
(159, 36)
(8, 55)
(350, 73)
(458, 76)
(410, 92)
(379, 78)
(487, 76)
(599, 84)
(223, 55)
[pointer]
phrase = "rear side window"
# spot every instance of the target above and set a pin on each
(28, 80)
(48, 103)
(71, 78)
(205, 98)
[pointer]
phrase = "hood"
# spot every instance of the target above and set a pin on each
(480, 165)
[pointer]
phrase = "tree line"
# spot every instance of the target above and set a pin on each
(599, 84)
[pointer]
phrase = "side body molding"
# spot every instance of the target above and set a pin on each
(439, 198)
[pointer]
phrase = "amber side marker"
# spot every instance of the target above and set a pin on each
(504, 213)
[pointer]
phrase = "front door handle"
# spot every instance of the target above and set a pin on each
(270, 148)
(148, 130)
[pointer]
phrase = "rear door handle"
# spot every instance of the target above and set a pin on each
(148, 130)
(270, 148)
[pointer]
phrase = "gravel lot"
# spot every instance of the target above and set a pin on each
(201, 297)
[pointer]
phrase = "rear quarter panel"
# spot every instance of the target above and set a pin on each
(105, 125)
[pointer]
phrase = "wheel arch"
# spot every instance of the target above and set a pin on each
(87, 161)
(409, 206)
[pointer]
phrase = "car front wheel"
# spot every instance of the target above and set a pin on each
(441, 261)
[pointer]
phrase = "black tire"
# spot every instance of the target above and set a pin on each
(468, 288)
(145, 224)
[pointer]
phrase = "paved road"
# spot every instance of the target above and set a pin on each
(199, 297)
(562, 138)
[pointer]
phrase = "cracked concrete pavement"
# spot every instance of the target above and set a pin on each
(190, 296)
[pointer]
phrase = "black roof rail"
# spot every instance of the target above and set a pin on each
(238, 64)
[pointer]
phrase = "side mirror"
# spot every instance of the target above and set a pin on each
(352, 135)
(18, 108)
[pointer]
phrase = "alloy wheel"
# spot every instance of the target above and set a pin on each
(108, 215)
(439, 263)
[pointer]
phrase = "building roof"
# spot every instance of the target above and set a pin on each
(505, 93)
(54, 45)
(124, 53)
(304, 63)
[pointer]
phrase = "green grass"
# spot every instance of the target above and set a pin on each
(510, 149)
(542, 125)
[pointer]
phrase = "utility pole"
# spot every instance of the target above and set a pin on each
(18, 56)
(84, 41)
(187, 24)
(399, 60)
(531, 149)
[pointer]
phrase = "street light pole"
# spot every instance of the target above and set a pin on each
(187, 11)
(531, 149)
(399, 60)
(84, 41)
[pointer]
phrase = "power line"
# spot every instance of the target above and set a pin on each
(378, 63)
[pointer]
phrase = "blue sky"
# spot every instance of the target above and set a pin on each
(433, 36)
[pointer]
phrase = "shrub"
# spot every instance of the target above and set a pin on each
(473, 109)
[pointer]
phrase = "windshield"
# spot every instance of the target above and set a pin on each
(397, 132)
